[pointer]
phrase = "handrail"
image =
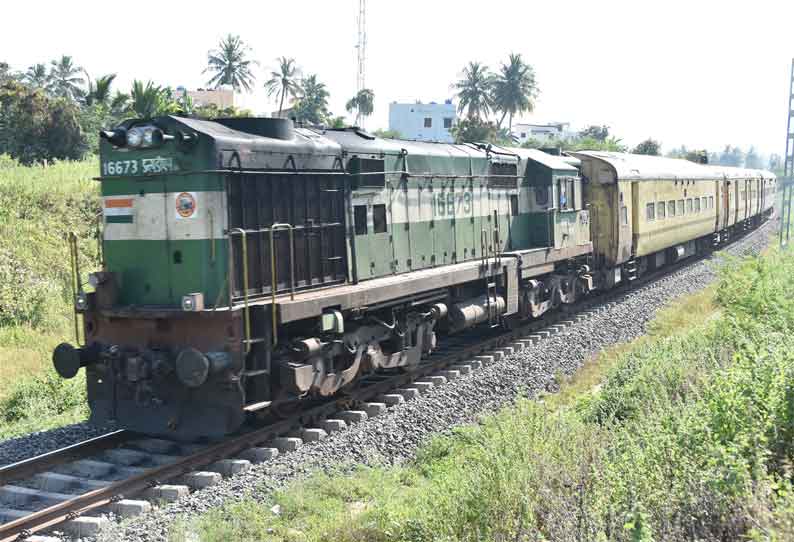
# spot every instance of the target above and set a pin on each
(243, 233)
(273, 271)
(77, 288)
(247, 309)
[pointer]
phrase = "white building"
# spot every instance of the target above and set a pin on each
(220, 97)
(423, 122)
(543, 133)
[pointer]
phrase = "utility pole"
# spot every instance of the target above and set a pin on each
(362, 52)
(788, 165)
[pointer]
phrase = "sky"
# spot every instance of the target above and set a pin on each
(699, 73)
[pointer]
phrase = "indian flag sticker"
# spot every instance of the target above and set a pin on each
(118, 210)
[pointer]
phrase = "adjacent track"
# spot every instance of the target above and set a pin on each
(58, 508)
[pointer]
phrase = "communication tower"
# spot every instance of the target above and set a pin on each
(362, 51)
(788, 164)
(788, 167)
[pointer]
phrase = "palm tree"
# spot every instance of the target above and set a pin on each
(65, 79)
(312, 107)
(514, 89)
(284, 81)
(151, 100)
(37, 76)
(474, 91)
(99, 91)
(363, 103)
(119, 103)
(230, 65)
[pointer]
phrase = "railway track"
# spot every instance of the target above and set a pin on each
(121, 473)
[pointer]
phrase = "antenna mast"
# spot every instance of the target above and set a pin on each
(362, 52)
(788, 167)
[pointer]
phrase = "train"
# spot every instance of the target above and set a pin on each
(249, 264)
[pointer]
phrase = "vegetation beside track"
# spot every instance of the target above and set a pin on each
(38, 206)
(685, 434)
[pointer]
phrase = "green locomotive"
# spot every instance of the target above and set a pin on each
(248, 263)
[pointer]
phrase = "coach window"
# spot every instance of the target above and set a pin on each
(711, 202)
(660, 208)
(650, 211)
(379, 218)
(704, 202)
(360, 219)
(697, 205)
(680, 207)
(689, 205)
(671, 208)
(624, 215)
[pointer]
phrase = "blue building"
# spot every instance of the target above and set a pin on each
(423, 122)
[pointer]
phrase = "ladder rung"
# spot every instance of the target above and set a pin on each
(491, 285)
(254, 341)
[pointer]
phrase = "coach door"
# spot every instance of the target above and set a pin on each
(726, 202)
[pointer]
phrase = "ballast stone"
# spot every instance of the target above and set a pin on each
(374, 409)
(408, 393)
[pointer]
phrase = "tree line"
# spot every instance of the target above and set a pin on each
(55, 111)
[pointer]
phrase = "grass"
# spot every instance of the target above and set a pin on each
(685, 434)
(38, 205)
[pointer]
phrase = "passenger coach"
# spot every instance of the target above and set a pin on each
(649, 211)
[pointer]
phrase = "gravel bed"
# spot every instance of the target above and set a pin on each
(393, 437)
(24, 447)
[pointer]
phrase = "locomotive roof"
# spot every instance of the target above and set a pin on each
(548, 160)
(644, 167)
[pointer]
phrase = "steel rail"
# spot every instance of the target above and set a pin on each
(34, 465)
(368, 388)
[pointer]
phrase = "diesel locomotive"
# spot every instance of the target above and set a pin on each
(247, 263)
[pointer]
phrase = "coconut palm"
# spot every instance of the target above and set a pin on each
(119, 103)
(514, 89)
(474, 91)
(229, 64)
(37, 76)
(312, 106)
(151, 100)
(99, 91)
(283, 82)
(65, 78)
(362, 103)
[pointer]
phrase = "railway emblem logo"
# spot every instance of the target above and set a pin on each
(186, 205)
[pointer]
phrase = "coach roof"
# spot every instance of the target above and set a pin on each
(644, 167)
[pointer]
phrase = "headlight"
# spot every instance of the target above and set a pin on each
(144, 137)
(134, 137)
(152, 137)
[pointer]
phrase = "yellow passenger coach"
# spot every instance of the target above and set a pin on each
(647, 211)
